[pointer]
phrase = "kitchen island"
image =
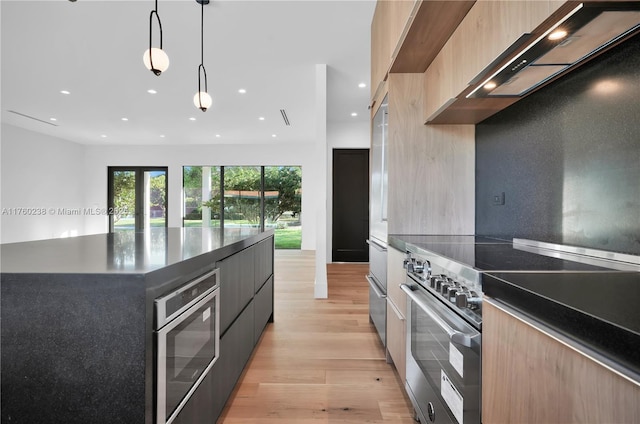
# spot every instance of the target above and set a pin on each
(78, 320)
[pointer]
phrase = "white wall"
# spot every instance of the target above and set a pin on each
(42, 176)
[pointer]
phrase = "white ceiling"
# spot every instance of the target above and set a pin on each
(94, 50)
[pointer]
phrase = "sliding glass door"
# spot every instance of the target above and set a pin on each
(245, 196)
(137, 198)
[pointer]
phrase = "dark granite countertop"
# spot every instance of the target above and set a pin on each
(597, 310)
(594, 306)
(123, 252)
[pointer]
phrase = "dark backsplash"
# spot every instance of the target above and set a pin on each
(567, 159)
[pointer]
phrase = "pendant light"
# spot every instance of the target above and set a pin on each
(155, 59)
(202, 99)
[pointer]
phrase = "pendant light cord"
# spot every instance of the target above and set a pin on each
(202, 47)
(154, 12)
(201, 32)
(201, 67)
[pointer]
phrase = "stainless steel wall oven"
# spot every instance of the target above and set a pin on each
(187, 342)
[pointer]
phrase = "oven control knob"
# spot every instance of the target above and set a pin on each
(462, 299)
(418, 266)
(469, 300)
(409, 264)
(432, 282)
(447, 289)
(439, 283)
(453, 292)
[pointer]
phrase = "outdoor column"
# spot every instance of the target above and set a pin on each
(206, 195)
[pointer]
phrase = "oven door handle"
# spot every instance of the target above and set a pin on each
(455, 335)
(375, 288)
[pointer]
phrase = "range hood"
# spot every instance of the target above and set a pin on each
(588, 29)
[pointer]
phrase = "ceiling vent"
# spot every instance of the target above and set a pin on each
(31, 117)
(284, 117)
(587, 30)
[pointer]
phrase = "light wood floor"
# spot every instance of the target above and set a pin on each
(321, 360)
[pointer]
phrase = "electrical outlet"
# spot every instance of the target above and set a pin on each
(498, 199)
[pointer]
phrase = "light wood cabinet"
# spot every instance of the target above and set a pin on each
(531, 377)
(431, 168)
(388, 26)
(396, 311)
(396, 275)
(488, 29)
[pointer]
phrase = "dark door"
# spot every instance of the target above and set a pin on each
(350, 205)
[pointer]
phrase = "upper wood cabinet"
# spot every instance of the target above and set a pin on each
(407, 34)
(390, 19)
(431, 173)
(487, 31)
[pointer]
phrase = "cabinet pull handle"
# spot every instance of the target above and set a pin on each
(375, 288)
(378, 246)
(396, 310)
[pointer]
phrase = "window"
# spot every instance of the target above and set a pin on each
(252, 196)
(202, 200)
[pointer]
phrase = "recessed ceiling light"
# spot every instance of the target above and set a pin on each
(354, 114)
(242, 91)
(362, 85)
(52, 119)
(192, 119)
(151, 91)
(161, 135)
(273, 135)
(125, 119)
(557, 34)
(65, 92)
(261, 118)
(103, 136)
(218, 135)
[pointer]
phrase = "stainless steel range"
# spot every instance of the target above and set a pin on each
(444, 316)
(444, 321)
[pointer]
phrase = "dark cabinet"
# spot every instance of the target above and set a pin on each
(236, 285)
(235, 349)
(246, 305)
(263, 308)
(263, 262)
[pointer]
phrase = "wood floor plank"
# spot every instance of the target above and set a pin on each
(321, 361)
